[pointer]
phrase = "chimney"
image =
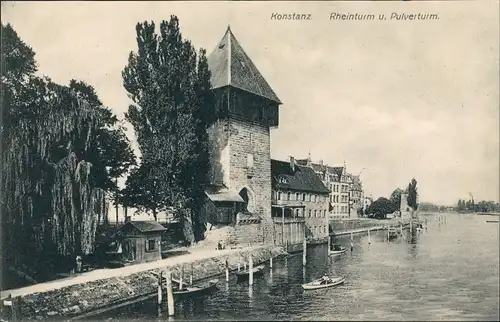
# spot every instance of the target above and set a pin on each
(292, 163)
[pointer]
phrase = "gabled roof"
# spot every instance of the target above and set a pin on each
(231, 66)
(302, 179)
(146, 226)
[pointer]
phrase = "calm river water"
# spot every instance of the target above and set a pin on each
(451, 273)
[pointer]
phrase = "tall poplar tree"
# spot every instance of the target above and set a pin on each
(173, 107)
(412, 194)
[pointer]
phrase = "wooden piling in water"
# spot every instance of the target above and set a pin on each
(227, 270)
(181, 276)
(160, 277)
(191, 276)
(304, 252)
(271, 262)
(369, 237)
(250, 267)
(170, 294)
(13, 303)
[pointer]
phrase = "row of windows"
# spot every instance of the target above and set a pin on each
(319, 230)
(336, 187)
(340, 209)
(300, 197)
(300, 212)
(335, 199)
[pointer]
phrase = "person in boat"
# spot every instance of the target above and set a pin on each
(325, 279)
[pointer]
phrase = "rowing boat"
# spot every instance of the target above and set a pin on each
(241, 275)
(321, 283)
(195, 289)
(337, 250)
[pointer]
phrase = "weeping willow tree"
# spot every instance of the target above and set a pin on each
(53, 191)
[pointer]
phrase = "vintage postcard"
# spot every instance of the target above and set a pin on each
(250, 160)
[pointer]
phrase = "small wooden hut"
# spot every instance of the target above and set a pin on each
(139, 241)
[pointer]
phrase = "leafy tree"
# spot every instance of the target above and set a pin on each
(51, 196)
(380, 208)
(170, 86)
(396, 198)
(412, 194)
(461, 205)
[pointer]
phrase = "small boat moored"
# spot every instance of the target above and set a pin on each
(188, 290)
(257, 270)
(323, 282)
(337, 249)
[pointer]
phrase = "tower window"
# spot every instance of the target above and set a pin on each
(250, 160)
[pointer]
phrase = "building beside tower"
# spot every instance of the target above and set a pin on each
(299, 205)
(239, 145)
(338, 182)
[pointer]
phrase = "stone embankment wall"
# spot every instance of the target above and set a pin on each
(342, 226)
(81, 299)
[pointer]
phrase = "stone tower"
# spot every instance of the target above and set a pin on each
(246, 109)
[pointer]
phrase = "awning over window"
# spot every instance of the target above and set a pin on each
(223, 195)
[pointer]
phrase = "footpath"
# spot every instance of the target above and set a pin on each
(99, 289)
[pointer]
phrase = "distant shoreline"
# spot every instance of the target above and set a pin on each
(488, 213)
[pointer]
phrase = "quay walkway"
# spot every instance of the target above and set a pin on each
(194, 254)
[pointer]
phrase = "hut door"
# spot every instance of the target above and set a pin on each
(132, 250)
(129, 250)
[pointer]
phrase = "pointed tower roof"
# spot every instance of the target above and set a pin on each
(231, 66)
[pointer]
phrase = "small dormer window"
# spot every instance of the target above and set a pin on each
(283, 180)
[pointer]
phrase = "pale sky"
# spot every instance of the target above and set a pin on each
(400, 99)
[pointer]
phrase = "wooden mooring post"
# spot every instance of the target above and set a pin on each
(181, 276)
(14, 307)
(191, 276)
(271, 263)
(304, 252)
(250, 268)
(160, 291)
(170, 294)
(369, 237)
(227, 270)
